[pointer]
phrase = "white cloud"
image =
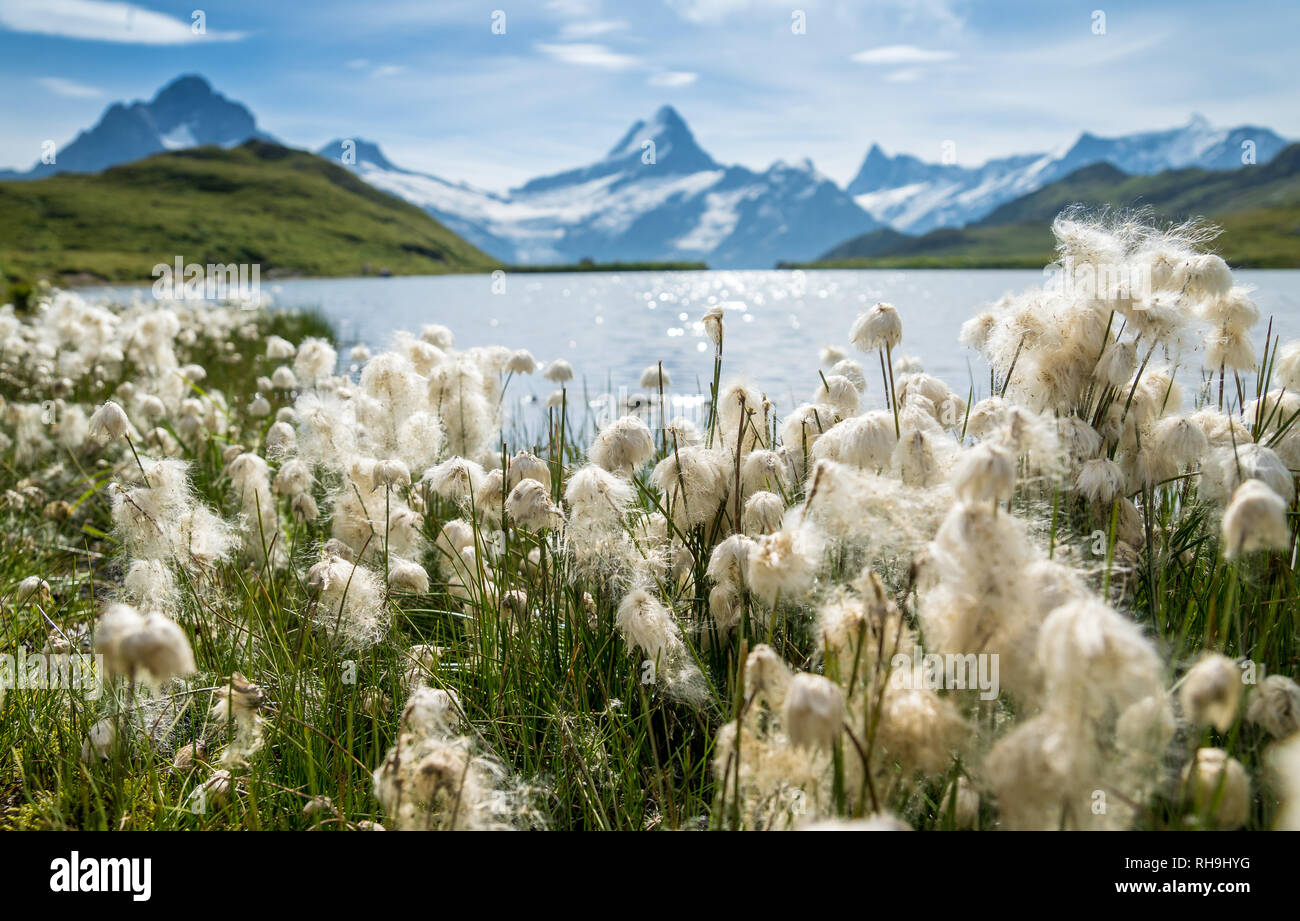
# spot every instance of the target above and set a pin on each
(70, 88)
(592, 28)
(573, 7)
(387, 70)
(673, 78)
(902, 54)
(590, 55)
(98, 20)
(906, 75)
(709, 11)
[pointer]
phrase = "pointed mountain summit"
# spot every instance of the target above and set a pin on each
(364, 152)
(916, 196)
(185, 113)
(674, 144)
(662, 143)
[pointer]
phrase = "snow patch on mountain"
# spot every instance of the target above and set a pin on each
(913, 196)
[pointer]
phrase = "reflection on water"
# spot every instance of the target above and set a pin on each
(611, 326)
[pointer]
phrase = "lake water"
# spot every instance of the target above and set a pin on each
(611, 326)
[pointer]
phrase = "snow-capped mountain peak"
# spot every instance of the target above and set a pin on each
(674, 146)
(656, 195)
(185, 113)
(358, 152)
(915, 196)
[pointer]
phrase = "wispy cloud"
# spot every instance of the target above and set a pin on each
(673, 79)
(906, 75)
(902, 54)
(713, 11)
(376, 70)
(590, 55)
(97, 20)
(591, 28)
(70, 88)
(573, 7)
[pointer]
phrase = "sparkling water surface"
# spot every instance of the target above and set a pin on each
(611, 326)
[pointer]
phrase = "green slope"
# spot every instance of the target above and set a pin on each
(1257, 206)
(289, 211)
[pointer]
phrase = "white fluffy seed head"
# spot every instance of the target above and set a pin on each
(655, 377)
(596, 495)
(713, 325)
(985, 473)
(762, 513)
(108, 423)
(135, 645)
(527, 466)
(529, 505)
(407, 576)
(647, 625)
(766, 676)
(813, 712)
(558, 371)
(1211, 691)
(623, 445)
(521, 362)
(1217, 788)
(878, 328)
(1100, 481)
(1275, 706)
(1255, 520)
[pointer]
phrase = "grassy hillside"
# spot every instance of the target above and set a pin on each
(287, 210)
(1258, 208)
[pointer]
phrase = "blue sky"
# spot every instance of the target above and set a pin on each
(431, 82)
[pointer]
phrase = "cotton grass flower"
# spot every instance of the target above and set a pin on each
(656, 377)
(108, 423)
(782, 564)
(762, 513)
(407, 576)
(813, 712)
(558, 371)
(1211, 692)
(878, 328)
(985, 473)
(279, 348)
(527, 466)
(694, 484)
(713, 325)
(33, 589)
(241, 700)
(646, 624)
(622, 446)
(1217, 787)
(316, 359)
(348, 602)
(149, 645)
(1255, 520)
(521, 362)
(596, 495)
(455, 479)
(529, 505)
(1275, 706)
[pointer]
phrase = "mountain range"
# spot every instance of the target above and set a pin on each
(1258, 210)
(913, 196)
(657, 195)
